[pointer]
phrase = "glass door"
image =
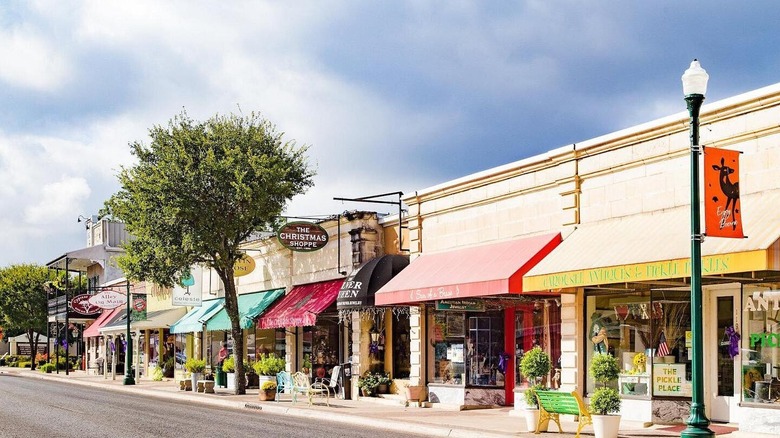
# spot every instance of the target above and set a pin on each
(722, 372)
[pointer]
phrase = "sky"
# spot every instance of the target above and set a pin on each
(388, 95)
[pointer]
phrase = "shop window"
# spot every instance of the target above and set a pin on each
(760, 345)
(468, 348)
(402, 364)
(538, 323)
(320, 348)
(268, 341)
(649, 335)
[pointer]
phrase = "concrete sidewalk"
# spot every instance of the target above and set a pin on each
(383, 413)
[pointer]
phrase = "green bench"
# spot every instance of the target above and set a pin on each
(554, 403)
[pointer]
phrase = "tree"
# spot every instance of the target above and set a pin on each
(23, 302)
(198, 191)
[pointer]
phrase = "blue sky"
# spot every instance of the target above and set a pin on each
(390, 96)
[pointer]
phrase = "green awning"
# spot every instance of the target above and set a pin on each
(249, 307)
(193, 321)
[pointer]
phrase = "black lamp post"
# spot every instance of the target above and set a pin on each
(129, 378)
(694, 87)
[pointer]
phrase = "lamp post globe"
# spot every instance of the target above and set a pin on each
(694, 87)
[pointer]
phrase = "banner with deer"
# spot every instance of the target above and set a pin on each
(722, 209)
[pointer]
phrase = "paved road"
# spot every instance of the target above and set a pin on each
(42, 408)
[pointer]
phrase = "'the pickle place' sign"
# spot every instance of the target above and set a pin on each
(302, 236)
(669, 379)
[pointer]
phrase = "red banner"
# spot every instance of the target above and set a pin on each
(722, 209)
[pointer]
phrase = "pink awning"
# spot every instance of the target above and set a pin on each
(493, 269)
(103, 319)
(301, 306)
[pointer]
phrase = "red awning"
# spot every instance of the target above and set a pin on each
(494, 269)
(301, 306)
(103, 319)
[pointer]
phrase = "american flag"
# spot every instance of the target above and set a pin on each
(663, 349)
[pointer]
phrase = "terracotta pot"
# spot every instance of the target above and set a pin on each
(267, 395)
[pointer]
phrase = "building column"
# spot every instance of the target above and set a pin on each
(572, 376)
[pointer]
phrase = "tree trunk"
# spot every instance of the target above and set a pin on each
(231, 306)
(33, 348)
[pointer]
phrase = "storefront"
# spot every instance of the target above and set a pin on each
(635, 295)
(477, 318)
(315, 341)
(380, 334)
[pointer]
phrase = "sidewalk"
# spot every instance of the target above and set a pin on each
(383, 413)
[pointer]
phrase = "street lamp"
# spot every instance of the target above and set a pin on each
(129, 378)
(694, 87)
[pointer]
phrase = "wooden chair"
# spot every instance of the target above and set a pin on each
(302, 385)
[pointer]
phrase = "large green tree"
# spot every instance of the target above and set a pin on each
(197, 192)
(23, 302)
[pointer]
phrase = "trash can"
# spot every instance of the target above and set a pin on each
(220, 378)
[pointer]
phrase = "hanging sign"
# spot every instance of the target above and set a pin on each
(302, 236)
(183, 297)
(108, 299)
(243, 266)
(138, 308)
(81, 305)
(722, 209)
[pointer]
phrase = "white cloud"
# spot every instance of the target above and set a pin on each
(57, 200)
(31, 61)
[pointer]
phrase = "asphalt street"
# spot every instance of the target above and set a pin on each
(37, 408)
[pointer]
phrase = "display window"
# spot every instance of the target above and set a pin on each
(759, 343)
(649, 334)
(538, 323)
(402, 364)
(320, 347)
(468, 348)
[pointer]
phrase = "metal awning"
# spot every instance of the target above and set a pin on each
(81, 259)
(154, 320)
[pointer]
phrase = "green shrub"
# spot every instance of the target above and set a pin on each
(47, 367)
(195, 365)
(605, 401)
(24, 364)
(535, 364)
(530, 397)
(269, 365)
(157, 374)
(604, 368)
(229, 365)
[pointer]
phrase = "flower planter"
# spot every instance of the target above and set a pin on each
(532, 419)
(366, 393)
(231, 380)
(383, 388)
(195, 377)
(606, 426)
(267, 395)
(414, 392)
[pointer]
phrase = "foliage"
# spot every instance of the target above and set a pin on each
(369, 382)
(269, 365)
(383, 379)
(23, 301)
(307, 361)
(199, 190)
(168, 367)
(23, 364)
(640, 362)
(195, 365)
(157, 374)
(48, 367)
(268, 385)
(41, 358)
(605, 401)
(535, 364)
(229, 365)
(530, 396)
(604, 368)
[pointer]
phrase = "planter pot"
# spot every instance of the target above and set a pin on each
(532, 419)
(365, 392)
(267, 395)
(195, 377)
(415, 393)
(382, 388)
(231, 381)
(606, 426)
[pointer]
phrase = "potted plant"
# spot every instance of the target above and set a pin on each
(368, 384)
(535, 365)
(306, 369)
(195, 367)
(229, 367)
(605, 400)
(268, 366)
(267, 390)
(383, 383)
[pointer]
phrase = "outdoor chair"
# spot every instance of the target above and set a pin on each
(332, 383)
(284, 384)
(302, 385)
